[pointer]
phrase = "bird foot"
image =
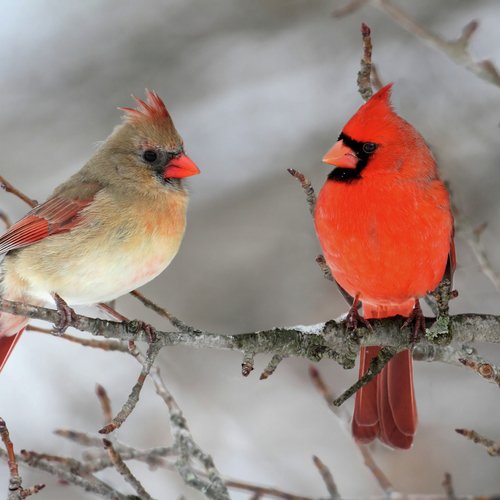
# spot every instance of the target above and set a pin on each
(149, 330)
(354, 318)
(417, 319)
(66, 315)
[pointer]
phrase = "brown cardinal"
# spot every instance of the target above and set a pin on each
(384, 222)
(112, 227)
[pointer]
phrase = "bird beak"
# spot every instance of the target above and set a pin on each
(341, 156)
(181, 166)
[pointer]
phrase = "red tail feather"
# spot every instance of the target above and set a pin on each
(7, 345)
(385, 408)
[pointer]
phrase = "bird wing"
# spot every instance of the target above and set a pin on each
(452, 262)
(56, 215)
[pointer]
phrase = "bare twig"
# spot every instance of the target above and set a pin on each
(462, 355)
(103, 397)
(457, 50)
(271, 367)
(96, 462)
(81, 438)
(152, 457)
(105, 345)
(327, 478)
(248, 363)
(71, 471)
(4, 434)
(343, 415)
(16, 490)
(133, 398)
(473, 238)
(261, 492)
(213, 486)
(364, 74)
(123, 469)
(486, 370)
(155, 457)
(377, 472)
(307, 187)
(448, 487)
(492, 447)
(5, 219)
(320, 260)
(376, 366)
(344, 418)
(164, 313)
(7, 186)
(349, 8)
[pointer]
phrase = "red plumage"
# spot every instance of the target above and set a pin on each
(152, 110)
(55, 216)
(384, 222)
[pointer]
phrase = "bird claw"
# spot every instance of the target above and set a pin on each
(416, 318)
(148, 329)
(354, 318)
(66, 315)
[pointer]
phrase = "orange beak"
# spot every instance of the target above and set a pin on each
(179, 167)
(341, 156)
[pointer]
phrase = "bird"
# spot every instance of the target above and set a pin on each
(384, 223)
(110, 228)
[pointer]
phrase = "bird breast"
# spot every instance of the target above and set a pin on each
(387, 241)
(119, 246)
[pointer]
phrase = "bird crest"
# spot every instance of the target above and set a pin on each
(374, 119)
(152, 110)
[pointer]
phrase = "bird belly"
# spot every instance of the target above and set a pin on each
(385, 246)
(91, 264)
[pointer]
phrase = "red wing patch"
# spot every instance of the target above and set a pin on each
(57, 215)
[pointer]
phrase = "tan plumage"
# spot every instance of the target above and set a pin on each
(113, 226)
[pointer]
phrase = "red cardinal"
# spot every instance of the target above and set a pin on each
(384, 221)
(112, 227)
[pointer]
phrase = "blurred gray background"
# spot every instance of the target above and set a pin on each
(254, 87)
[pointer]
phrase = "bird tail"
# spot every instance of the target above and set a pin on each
(385, 407)
(11, 329)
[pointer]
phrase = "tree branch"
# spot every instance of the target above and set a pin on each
(133, 398)
(213, 485)
(364, 75)
(324, 340)
(9, 188)
(180, 325)
(68, 470)
(307, 187)
(457, 50)
(376, 366)
(122, 468)
(327, 479)
(492, 447)
(16, 490)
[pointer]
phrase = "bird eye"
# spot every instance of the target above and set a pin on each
(150, 156)
(369, 147)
